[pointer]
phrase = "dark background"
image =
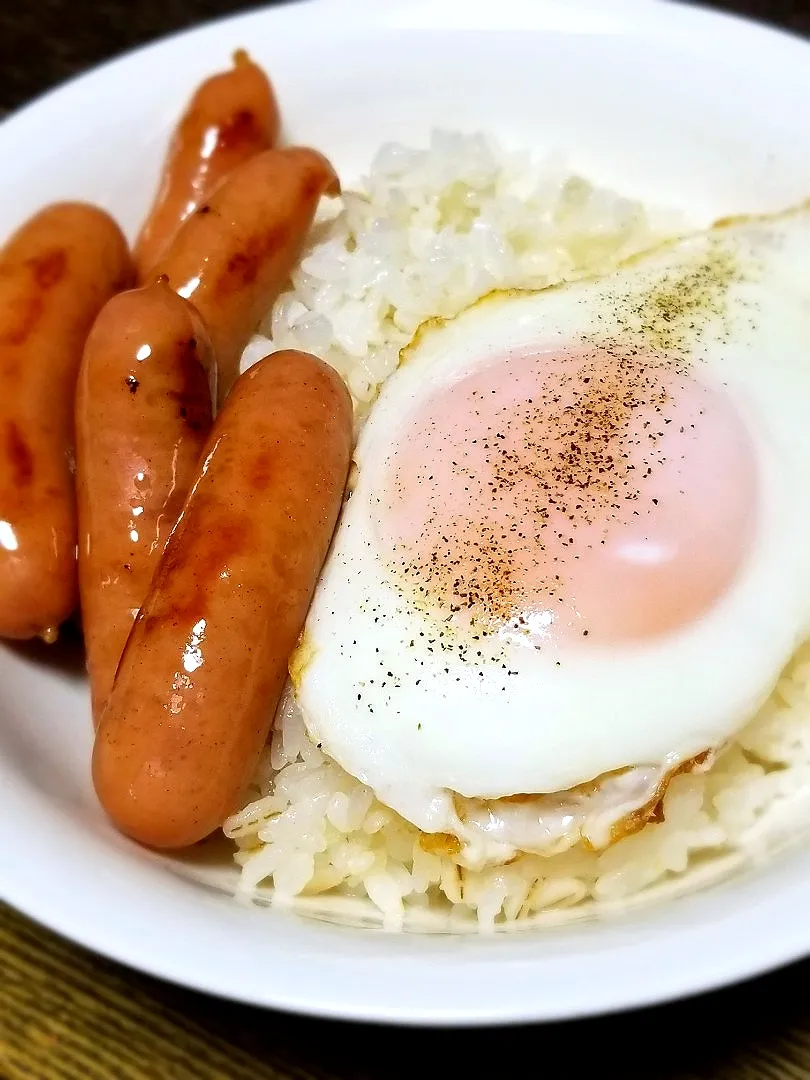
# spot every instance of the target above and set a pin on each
(758, 1030)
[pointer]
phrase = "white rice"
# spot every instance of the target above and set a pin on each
(430, 232)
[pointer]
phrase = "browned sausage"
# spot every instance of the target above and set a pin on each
(56, 273)
(235, 254)
(232, 116)
(143, 413)
(206, 661)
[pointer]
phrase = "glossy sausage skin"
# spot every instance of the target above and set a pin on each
(232, 116)
(56, 273)
(234, 255)
(143, 413)
(205, 664)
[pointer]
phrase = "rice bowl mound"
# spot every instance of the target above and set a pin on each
(428, 233)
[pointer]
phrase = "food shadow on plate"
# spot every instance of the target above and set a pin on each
(65, 656)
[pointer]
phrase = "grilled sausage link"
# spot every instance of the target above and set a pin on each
(206, 662)
(231, 117)
(234, 255)
(56, 273)
(143, 413)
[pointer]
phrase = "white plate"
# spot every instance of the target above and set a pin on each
(667, 102)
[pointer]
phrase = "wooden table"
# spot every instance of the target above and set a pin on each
(67, 1014)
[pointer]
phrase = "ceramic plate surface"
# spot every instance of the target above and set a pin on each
(670, 103)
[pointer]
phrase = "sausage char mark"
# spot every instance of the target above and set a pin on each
(19, 456)
(243, 267)
(49, 268)
(193, 401)
(261, 473)
(242, 127)
(201, 554)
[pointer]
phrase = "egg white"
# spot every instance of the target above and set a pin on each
(380, 682)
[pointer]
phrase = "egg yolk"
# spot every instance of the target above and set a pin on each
(586, 496)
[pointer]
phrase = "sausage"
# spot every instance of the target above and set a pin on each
(232, 116)
(234, 255)
(206, 662)
(56, 273)
(143, 413)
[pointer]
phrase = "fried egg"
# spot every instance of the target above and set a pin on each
(576, 552)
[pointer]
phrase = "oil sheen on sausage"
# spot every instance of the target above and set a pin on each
(205, 664)
(143, 413)
(231, 117)
(56, 273)
(234, 255)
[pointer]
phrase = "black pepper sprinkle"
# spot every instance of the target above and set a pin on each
(566, 459)
(575, 453)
